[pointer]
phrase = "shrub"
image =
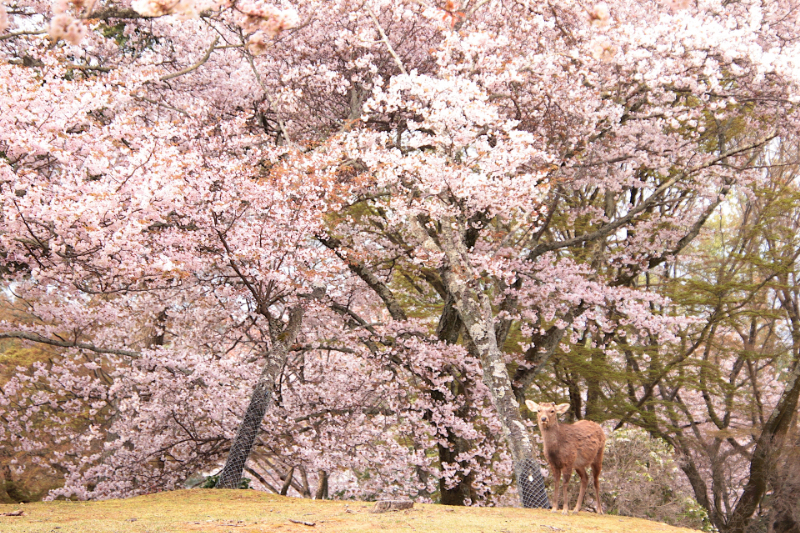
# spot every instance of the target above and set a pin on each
(641, 479)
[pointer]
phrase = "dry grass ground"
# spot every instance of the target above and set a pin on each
(248, 511)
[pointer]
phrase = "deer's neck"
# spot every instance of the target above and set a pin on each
(551, 436)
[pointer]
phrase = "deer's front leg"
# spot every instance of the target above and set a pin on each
(567, 473)
(557, 480)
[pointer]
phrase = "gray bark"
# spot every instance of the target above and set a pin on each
(475, 310)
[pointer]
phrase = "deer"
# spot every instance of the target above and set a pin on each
(570, 446)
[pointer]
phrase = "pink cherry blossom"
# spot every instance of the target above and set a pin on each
(483, 190)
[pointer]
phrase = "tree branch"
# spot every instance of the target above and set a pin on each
(263, 86)
(21, 33)
(194, 67)
(613, 226)
(360, 269)
(35, 337)
(386, 41)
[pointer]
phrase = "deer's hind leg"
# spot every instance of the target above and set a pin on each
(584, 483)
(597, 465)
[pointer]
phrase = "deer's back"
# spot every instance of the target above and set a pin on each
(579, 443)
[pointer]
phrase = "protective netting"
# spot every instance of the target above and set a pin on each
(231, 474)
(530, 485)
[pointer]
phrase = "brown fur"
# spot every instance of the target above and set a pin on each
(570, 446)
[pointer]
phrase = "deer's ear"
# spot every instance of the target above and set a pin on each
(562, 408)
(533, 406)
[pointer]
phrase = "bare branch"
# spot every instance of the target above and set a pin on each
(363, 272)
(162, 104)
(386, 41)
(35, 337)
(193, 67)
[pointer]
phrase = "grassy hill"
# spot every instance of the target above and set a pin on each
(248, 511)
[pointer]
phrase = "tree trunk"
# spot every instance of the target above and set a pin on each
(231, 474)
(322, 486)
(260, 400)
(767, 447)
(785, 516)
(287, 482)
(448, 331)
(475, 310)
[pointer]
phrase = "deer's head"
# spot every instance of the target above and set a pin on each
(547, 413)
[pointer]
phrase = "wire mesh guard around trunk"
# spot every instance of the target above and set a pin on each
(530, 485)
(231, 474)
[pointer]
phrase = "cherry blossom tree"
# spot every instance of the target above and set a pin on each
(730, 410)
(473, 184)
(540, 216)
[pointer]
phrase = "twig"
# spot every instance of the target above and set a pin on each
(311, 524)
(386, 41)
(607, 229)
(193, 67)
